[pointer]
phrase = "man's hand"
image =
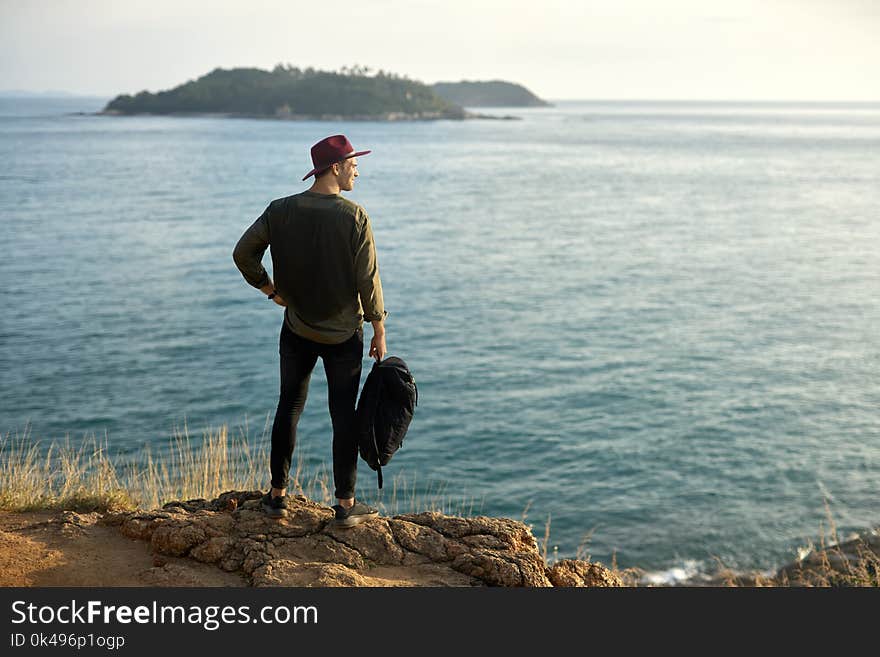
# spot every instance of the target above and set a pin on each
(377, 344)
(268, 289)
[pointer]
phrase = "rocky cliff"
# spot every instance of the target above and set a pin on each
(306, 549)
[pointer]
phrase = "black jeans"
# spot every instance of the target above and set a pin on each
(342, 364)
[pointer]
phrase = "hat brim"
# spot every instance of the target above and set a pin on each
(327, 166)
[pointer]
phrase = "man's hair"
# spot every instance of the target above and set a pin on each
(323, 173)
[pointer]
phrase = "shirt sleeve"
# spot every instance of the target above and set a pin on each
(248, 252)
(366, 267)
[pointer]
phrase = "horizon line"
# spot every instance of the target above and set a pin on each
(61, 93)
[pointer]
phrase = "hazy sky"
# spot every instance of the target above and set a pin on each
(663, 49)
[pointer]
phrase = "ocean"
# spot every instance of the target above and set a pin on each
(652, 326)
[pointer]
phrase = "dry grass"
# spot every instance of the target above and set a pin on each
(88, 478)
(63, 476)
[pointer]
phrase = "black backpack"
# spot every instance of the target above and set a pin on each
(384, 411)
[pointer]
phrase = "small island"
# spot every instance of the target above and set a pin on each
(491, 93)
(287, 92)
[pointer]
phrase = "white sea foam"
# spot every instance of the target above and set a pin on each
(689, 572)
(681, 574)
(803, 552)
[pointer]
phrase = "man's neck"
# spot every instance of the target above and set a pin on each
(329, 187)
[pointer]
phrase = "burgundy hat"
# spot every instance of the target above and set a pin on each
(331, 150)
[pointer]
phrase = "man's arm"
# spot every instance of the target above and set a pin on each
(369, 285)
(248, 256)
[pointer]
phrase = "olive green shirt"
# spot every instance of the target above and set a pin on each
(323, 261)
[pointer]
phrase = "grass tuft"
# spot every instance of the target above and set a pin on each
(87, 478)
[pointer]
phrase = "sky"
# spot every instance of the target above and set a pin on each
(823, 50)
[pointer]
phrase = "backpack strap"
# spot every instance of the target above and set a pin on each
(376, 447)
(373, 427)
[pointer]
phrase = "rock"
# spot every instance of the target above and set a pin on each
(75, 524)
(574, 572)
(305, 548)
(372, 539)
(515, 535)
(142, 525)
(318, 548)
(227, 501)
(113, 518)
(498, 569)
(213, 550)
(420, 539)
(176, 540)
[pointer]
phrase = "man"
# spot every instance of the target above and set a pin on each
(327, 278)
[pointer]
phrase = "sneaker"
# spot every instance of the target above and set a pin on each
(275, 507)
(353, 516)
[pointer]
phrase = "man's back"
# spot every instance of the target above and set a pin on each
(324, 263)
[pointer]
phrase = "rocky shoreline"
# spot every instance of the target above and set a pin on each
(855, 562)
(307, 549)
(387, 116)
(229, 541)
